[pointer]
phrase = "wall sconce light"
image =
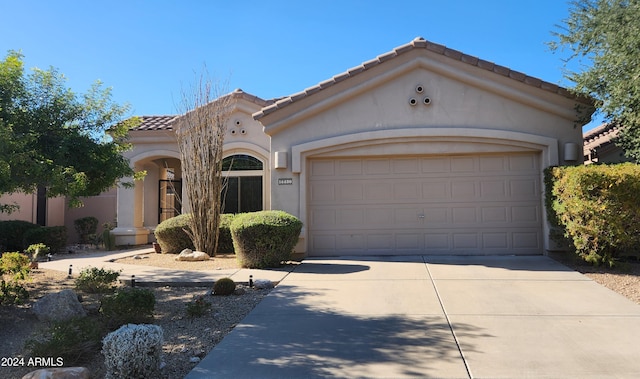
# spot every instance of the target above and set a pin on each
(281, 159)
(570, 151)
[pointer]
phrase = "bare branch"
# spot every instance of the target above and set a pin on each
(200, 134)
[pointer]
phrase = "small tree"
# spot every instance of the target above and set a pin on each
(200, 134)
(55, 141)
(603, 38)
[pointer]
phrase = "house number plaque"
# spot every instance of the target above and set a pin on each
(285, 181)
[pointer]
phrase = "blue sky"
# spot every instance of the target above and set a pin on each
(148, 51)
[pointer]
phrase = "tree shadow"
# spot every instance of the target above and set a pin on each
(286, 336)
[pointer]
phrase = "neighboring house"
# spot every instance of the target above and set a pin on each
(56, 211)
(599, 145)
(421, 150)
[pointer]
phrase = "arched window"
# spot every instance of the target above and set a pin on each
(241, 162)
(243, 184)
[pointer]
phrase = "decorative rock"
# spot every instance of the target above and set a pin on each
(60, 306)
(262, 284)
(191, 256)
(59, 373)
(194, 359)
(239, 291)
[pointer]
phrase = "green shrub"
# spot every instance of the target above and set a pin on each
(224, 287)
(75, 341)
(53, 236)
(97, 280)
(225, 241)
(37, 251)
(12, 293)
(16, 264)
(172, 236)
(12, 234)
(86, 228)
(264, 239)
(597, 206)
(128, 306)
(198, 306)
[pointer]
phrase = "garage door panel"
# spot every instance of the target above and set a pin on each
(407, 191)
(463, 164)
(523, 188)
(492, 163)
(464, 215)
(498, 240)
(434, 205)
(322, 193)
(376, 191)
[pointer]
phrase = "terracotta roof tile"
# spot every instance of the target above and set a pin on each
(155, 123)
(417, 44)
(600, 135)
(486, 65)
(150, 123)
(469, 59)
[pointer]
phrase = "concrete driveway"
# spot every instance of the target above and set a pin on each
(440, 317)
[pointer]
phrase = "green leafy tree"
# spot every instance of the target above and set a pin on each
(56, 140)
(603, 37)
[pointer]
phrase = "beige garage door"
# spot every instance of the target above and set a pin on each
(481, 204)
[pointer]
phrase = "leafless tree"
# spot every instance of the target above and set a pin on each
(200, 133)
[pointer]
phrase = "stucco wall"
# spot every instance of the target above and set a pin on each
(470, 111)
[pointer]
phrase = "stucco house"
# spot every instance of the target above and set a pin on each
(423, 149)
(599, 145)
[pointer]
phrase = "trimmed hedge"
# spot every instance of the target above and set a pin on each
(55, 237)
(598, 206)
(264, 239)
(12, 234)
(173, 239)
(171, 234)
(225, 241)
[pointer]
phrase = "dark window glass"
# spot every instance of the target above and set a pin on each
(242, 194)
(240, 163)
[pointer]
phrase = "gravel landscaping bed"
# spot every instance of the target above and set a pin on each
(186, 339)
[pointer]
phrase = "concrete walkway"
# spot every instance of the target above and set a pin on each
(155, 276)
(438, 317)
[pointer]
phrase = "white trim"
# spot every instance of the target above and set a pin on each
(549, 146)
(154, 153)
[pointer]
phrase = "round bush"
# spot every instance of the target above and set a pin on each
(264, 239)
(171, 234)
(224, 287)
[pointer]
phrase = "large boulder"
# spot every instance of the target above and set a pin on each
(191, 256)
(59, 306)
(59, 373)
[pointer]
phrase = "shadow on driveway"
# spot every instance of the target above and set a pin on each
(285, 336)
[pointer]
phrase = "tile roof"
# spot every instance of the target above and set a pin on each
(600, 135)
(420, 43)
(155, 123)
(240, 94)
(166, 122)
